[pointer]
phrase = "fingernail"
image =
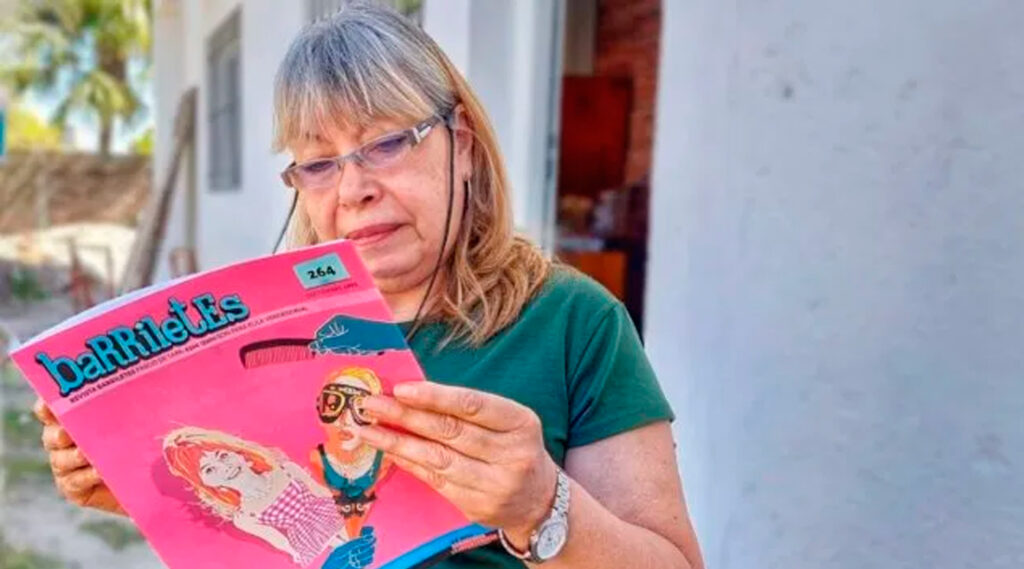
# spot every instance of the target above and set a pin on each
(375, 404)
(406, 390)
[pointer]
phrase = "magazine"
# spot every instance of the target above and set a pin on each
(222, 411)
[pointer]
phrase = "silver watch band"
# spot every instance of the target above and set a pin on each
(559, 514)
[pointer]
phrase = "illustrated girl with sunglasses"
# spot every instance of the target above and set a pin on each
(344, 463)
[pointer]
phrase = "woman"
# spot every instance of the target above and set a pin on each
(544, 418)
(256, 490)
(344, 463)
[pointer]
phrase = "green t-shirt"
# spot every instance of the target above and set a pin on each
(573, 356)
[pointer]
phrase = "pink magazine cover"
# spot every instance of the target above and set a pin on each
(220, 411)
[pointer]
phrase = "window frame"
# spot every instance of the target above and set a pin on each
(224, 105)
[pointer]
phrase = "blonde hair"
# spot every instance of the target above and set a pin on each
(368, 62)
(362, 374)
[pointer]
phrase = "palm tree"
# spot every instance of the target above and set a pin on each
(81, 50)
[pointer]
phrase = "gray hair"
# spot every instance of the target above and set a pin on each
(364, 63)
(368, 63)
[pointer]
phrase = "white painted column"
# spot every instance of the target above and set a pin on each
(168, 79)
(836, 286)
(171, 41)
(508, 51)
(447, 21)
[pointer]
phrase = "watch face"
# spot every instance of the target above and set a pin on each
(551, 539)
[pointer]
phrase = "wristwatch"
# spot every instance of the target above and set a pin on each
(550, 536)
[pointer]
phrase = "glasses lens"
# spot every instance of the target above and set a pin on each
(386, 150)
(356, 404)
(316, 174)
(331, 405)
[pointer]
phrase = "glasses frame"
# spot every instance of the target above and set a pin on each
(349, 396)
(417, 134)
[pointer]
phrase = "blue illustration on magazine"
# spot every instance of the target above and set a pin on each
(347, 335)
(354, 554)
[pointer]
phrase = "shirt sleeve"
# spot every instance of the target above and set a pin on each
(612, 388)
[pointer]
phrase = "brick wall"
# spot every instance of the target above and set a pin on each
(628, 32)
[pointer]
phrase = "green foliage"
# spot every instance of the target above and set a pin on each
(116, 535)
(80, 50)
(24, 286)
(10, 377)
(144, 143)
(408, 7)
(27, 130)
(11, 558)
(25, 470)
(20, 429)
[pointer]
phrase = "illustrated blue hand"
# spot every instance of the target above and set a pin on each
(354, 554)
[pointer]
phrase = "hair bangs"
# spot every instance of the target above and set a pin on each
(350, 76)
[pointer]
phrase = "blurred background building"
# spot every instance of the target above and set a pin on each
(813, 211)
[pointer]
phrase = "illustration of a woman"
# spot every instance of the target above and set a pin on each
(344, 463)
(258, 490)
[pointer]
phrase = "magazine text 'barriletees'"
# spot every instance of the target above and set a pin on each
(122, 347)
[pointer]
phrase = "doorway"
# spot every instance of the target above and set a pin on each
(609, 82)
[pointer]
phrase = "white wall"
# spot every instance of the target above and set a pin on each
(255, 214)
(232, 225)
(836, 286)
(176, 48)
(168, 78)
(509, 52)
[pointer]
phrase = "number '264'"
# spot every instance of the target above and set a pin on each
(320, 272)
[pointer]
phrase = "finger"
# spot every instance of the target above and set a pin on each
(478, 407)
(444, 462)
(55, 437)
(364, 543)
(467, 438)
(64, 461)
(78, 482)
(458, 495)
(427, 476)
(43, 412)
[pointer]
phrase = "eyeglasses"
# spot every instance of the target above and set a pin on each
(334, 399)
(325, 173)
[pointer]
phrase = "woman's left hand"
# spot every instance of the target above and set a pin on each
(483, 452)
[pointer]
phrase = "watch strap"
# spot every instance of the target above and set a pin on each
(512, 550)
(559, 511)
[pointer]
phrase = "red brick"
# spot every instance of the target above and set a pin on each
(627, 43)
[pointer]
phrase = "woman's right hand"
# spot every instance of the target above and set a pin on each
(75, 478)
